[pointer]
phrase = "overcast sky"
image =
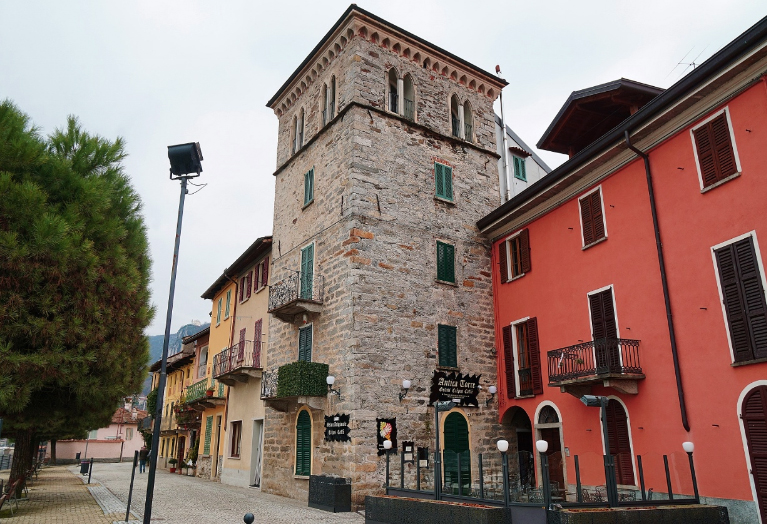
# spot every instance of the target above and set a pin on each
(166, 72)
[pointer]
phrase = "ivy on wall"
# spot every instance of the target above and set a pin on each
(305, 379)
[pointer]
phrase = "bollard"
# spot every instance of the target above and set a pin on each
(248, 518)
(130, 491)
(90, 471)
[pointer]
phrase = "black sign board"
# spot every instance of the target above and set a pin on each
(337, 427)
(386, 429)
(450, 386)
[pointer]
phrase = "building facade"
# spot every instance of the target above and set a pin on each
(634, 272)
(386, 158)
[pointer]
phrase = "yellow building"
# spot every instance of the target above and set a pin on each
(240, 366)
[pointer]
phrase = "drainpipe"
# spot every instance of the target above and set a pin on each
(664, 281)
(505, 152)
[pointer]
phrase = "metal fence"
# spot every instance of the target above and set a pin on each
(5, 461)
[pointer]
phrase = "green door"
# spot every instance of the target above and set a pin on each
(307, 271)
(456, 437)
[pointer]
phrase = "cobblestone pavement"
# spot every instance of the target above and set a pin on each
(59, 496)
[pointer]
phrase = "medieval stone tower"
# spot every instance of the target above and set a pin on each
(386, 159)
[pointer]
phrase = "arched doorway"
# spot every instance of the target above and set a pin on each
(620, 443)
(754, 413)
(549, 428)
(456, 449)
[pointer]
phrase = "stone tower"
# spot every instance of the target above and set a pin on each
(385, 161)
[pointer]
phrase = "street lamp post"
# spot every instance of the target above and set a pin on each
(185, 163)
(503, 447)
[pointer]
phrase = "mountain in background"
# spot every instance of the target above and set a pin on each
(174, 346)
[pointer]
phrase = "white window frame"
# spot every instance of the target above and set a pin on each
(604, 217)
(515, 352)
(611, 287)
(239, 444)
(758, 253)
(507, 247)
(726, 111)
(536, 432)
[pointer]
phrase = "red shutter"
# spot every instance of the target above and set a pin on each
(535, 355)
(734, 303)
(265, 272)
(250, 283)
(620, 445)
(508, 357)
(242, 287)
(715, 152)
(597, 220)
(257, 334)
(524, 250)
(588, 230)
(503, 265)
(753, 293)
(723, 147)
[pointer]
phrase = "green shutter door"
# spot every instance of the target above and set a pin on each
(445, 262)
(208, 430)
(447, 346)
(307, 272)
(305, 344)
(456, 435)
(303, 444)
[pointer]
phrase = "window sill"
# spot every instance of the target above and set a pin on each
(244, 300)
(234, 458)
(301, 477)
(747, 362)
(309, 203)
(519, 397)
(719, 183)
(516, 277)
(520, 178)
(445, 282)
(448, 368)
(444, 200)
(584, 248)
(259, 290)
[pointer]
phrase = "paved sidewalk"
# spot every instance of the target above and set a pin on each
(60, 496)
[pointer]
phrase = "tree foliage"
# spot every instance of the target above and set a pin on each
(74, 276)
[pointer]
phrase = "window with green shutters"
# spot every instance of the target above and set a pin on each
(228, 300)
(309, 187)
(218, 312)
(208, 431)
(519, 168)
(303, 444)
(307, 272)
(443, 179)
(447, 346)
(305, 343)
(445, 262)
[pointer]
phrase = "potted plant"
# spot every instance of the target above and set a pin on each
(209, 392)
(182, 470)
(173, 463)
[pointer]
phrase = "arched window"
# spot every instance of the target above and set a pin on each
(391, 90)
(548, 415)
(304, 444)
(454, 116)
(409, 98)
(468, 122)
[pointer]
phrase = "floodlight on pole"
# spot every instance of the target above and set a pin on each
(185, 163)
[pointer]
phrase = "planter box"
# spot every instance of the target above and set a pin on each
(330, 493)
(689, 514)
(396, 510)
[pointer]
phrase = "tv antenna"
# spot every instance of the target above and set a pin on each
(689, 64)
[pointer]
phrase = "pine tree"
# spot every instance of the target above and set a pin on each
(74, 277)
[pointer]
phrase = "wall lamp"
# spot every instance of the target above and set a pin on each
(492, 390)
(331, 380)
(406, 387)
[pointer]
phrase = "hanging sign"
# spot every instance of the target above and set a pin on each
(450, 386)
(386, 429)
(337, 428)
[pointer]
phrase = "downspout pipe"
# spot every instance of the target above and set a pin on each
(664, 281)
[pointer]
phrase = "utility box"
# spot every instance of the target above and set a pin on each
(330, 493)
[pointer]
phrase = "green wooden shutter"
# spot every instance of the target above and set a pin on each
(448, 179)
(519, 168)
(218, 313)
(305, 344)
(447, 346)
(208, 431)
(309, 186)
(439, 179)
(307, 272)
(303, 444)
(445, 262)
(228, 300)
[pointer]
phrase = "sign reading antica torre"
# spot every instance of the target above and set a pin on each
(385, 161)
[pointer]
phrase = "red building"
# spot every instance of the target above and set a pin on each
(643, 281)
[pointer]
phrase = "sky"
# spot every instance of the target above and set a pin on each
(158, 73)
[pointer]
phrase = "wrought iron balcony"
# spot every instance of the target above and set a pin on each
(611, 362)
(299, 293)
(297, 382)
(238, 363)
(409, 109)
(197, 396)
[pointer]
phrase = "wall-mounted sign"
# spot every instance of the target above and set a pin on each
(386, 429)
(337, 427)
(408, 452)
(449, 386)
(423, 457)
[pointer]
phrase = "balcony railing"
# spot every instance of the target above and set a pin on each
(594, 359)
(198, 390)
(409, 109)
(298, 293)
(245, 355)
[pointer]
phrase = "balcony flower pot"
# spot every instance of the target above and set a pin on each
(209, 393)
